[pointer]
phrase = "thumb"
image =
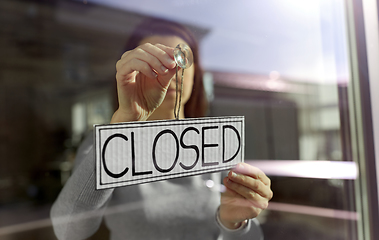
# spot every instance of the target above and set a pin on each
(165, 80)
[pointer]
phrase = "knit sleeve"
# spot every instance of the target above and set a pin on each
(250, 231)
(79, 208)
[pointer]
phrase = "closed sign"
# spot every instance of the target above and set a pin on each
(140, 152)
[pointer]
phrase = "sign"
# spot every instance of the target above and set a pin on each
(139, 152)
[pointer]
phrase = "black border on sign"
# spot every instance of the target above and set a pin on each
(160, 123)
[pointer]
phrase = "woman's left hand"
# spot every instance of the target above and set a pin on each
(247, 194)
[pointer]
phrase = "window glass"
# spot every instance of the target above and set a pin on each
(283, 65)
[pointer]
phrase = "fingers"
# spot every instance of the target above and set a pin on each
(247, 193)
(254, 198)
(253, 172)
(148, 59)
(242, 207)
(168, 50)
(126, 68)
(247, 181)
(158, 56)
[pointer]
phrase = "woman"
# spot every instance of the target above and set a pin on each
(183, 208)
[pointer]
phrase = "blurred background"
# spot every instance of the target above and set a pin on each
(287, 66)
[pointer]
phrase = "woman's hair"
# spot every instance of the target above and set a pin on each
(197, 104)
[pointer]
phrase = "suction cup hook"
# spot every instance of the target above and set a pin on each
(183, 55)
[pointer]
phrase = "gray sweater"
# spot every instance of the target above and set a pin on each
(182, 208)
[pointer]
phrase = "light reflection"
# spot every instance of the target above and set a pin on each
(314, 211)
(307, 169)
(209, 183)
(214, 186)
(274, 75)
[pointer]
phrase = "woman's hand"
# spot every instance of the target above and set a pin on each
(143, 76)
(247, 194)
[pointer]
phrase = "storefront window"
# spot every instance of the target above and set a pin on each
(286, 66)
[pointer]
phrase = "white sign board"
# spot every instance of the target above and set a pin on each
(140, 152)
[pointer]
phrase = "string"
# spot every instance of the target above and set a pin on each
(176, 113)
(176, 92)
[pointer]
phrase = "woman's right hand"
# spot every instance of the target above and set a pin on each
(143, 77)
